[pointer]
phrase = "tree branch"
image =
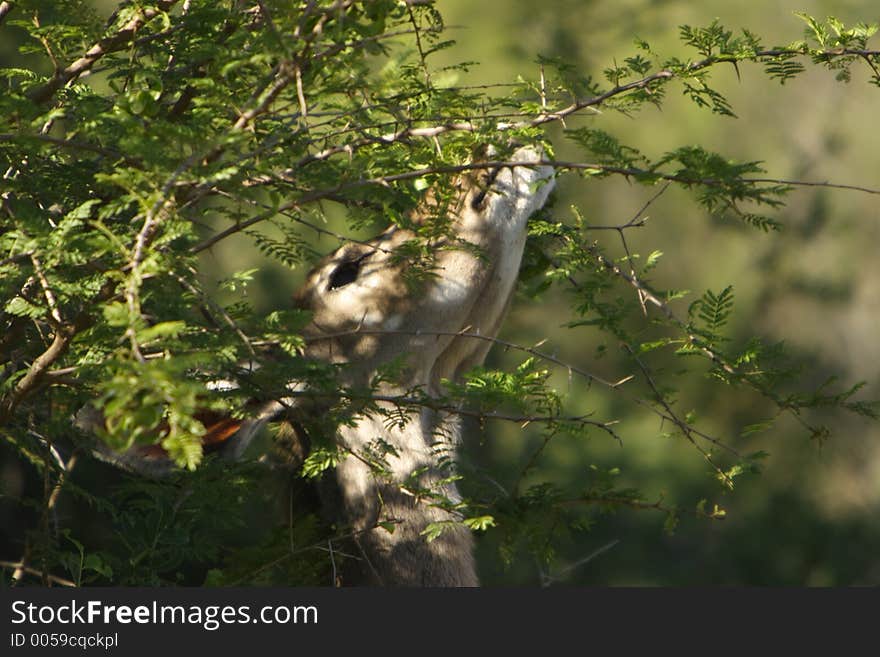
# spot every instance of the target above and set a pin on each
(633, 172)
(669, 415)
(667, 74)
(35, 373)
(335, 192)
(404, 401)
(578, 105)
(19, 566)
(109, 44)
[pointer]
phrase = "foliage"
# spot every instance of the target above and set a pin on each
(187, 124)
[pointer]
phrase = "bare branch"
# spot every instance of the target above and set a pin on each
(241, 225)
(548, 579)
(35, 373)
(47, 290)
(18, 566)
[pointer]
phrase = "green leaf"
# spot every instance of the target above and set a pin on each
(22, 308)
(96, 564)
(116, 314)
(435, 529)
(161, 330)
(479, 523)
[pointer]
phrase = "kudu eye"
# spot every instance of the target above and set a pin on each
(345, 273)
(486, 180)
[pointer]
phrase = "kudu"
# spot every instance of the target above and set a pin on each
(365, 314)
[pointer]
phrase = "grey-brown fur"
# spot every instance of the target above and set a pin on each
(376, 318)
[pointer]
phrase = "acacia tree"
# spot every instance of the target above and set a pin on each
(132, 146)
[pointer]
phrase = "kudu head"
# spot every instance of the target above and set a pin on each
(367, 311)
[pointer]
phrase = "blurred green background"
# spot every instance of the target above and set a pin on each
(813, 516)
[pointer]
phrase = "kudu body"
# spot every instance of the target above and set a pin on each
(365, 315)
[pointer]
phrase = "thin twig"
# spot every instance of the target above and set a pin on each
(24, 568)
(423, 401)
(648, 295)
(343, 239)
(613, 385)
(316, 195)
(693, 67)
(681, 424)
(210, 306)
(548, 579)
(422, 56)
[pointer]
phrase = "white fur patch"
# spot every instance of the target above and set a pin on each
(392, 323)
(449, 290)
(372, 318)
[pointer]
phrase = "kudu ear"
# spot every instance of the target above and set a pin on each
(225, 436)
